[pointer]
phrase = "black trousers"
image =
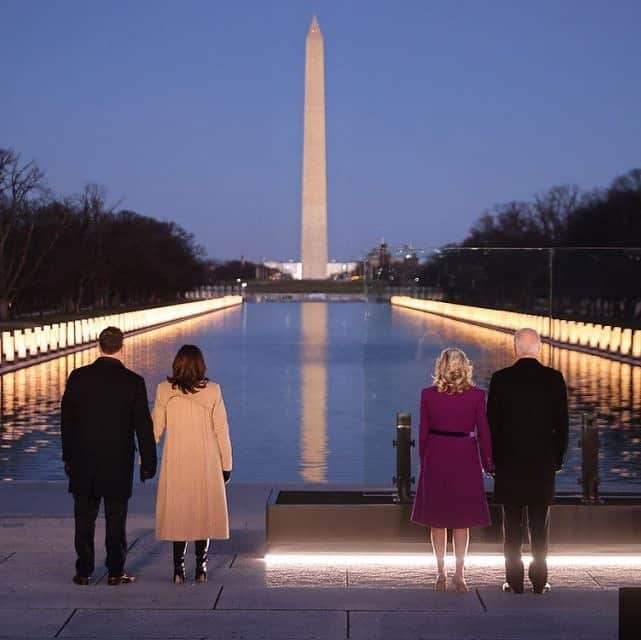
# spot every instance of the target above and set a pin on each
(539, 528)
(85, 513)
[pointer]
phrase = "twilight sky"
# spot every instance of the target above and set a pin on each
(192, 110)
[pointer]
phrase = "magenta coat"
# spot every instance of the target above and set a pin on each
(450, 491)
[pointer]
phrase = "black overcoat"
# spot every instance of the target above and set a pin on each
(527, 410)
(103, 407)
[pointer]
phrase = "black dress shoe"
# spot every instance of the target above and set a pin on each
(83, 581)
(546, 588)
(508, 588)
(114, 581)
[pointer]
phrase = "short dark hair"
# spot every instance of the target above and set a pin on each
(110, 340)
(188, 369)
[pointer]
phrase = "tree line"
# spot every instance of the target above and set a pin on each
(78, 252)
(570, 253)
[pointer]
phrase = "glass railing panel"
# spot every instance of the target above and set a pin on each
(573, 286)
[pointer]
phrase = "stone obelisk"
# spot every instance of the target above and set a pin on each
(314, 204)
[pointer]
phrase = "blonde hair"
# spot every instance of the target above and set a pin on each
(453, 371)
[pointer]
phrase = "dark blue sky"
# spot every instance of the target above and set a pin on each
(192, 111)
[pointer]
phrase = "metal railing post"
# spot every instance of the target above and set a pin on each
(403, 443)
(589, 444)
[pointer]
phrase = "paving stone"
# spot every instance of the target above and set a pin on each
(286, 577)
(417, 577)
(29, 622)
(561, 598)
(241, 541)
(161, 565)
(238, 597)
(140, 595)
(43, 568)
(616, 577)
(555, 625)
(49, 534)
(424, 577)
(319, 577)
(41, 560)
(214, 625)
(253, 562)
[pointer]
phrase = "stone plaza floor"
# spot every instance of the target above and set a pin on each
(246, 597)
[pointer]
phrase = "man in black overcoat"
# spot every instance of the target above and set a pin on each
(104, 412)
(528, 414)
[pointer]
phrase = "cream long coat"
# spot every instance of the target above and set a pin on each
(192, 503)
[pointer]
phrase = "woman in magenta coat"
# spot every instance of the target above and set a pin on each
(454, 449)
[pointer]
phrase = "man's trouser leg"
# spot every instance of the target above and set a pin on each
(116, 535)
(512, 541)
(539, 525)
(85, 511)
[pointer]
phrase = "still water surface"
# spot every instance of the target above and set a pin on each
(312, 390)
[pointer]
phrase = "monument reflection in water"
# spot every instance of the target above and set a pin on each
(312, 390)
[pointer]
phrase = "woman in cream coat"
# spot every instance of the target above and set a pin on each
(191, 504)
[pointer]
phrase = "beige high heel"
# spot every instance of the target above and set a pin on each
(441, 583)
(460, 585)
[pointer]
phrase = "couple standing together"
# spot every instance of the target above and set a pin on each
(520, 438)
(104, 413)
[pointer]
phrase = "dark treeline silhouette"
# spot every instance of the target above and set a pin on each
(574, 254)
(70, 254)
(566, 217)
(233, 271)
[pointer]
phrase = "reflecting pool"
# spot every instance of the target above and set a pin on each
(312, 390)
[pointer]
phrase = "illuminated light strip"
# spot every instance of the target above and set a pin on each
(30, 343)
(620, 341)
(427, 560)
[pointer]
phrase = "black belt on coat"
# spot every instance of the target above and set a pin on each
(452, 434)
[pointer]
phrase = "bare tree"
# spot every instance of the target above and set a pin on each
(552, 210)
(22, 191)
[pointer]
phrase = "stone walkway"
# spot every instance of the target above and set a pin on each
(249, 598)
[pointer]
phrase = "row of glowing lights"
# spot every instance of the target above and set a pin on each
(409, 560)
(610, 339)
(30, 342)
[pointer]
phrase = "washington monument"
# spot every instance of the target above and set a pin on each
(314, 201)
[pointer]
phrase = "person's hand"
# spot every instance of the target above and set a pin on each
(146, 474)
(68, 469)
(226, 476)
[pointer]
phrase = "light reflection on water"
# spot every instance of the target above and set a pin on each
(312, 390)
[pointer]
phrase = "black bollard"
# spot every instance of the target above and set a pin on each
(589, 444)
(403, 443)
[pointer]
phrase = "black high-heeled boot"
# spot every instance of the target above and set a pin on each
(201, 560)
(179, 562)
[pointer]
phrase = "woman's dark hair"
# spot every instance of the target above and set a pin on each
(188, 370)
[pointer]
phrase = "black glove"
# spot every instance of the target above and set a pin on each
(146, 474)
(67, 469)
(226, 476)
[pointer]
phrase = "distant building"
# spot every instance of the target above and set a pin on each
(292, 269)
(335, 270)
(383, 263)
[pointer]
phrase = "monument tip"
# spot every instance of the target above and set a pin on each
(314, 26)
